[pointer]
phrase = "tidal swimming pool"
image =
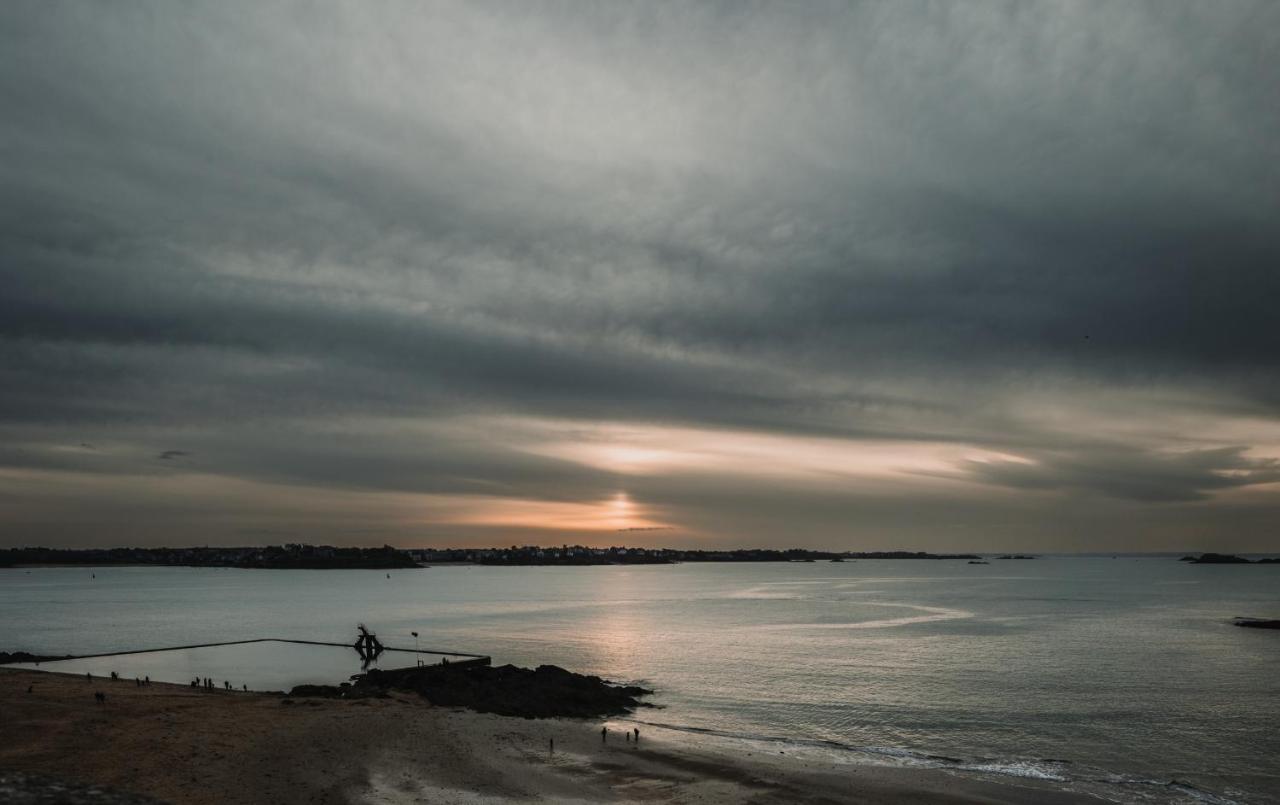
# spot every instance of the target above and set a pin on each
(261, 665)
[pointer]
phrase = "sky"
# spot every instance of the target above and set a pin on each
(932, 276)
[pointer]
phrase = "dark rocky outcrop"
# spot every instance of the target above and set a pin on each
(344, 691)
(1257, 623)
(545, 692)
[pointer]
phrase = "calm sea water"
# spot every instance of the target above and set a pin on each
(1118, 676)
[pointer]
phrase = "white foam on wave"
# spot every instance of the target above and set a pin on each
(1018, 768)
(931, 614)
(1113, 787)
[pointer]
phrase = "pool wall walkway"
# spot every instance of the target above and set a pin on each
(258, 640)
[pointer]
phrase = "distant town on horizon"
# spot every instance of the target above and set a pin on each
(303, 556)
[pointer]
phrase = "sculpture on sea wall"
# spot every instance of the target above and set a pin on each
(367, 646)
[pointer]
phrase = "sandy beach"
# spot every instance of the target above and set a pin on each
(186, 746)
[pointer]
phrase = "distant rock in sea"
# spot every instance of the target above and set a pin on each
(1226, 559)
(1257, 623)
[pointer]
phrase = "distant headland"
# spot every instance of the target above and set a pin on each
(323, 557)
(277, 557)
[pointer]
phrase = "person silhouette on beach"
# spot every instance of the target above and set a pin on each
(637, 730)
(551, 743)
(604, 735)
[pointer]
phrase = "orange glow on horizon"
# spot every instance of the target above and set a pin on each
(616, 513)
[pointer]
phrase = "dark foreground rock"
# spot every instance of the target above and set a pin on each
(30, 789)
(344, 691)
(1257, 623)
(7, 657)
(545, 692)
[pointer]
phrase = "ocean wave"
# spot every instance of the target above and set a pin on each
(1183, 788)
(1034, 770)
(1052, 770)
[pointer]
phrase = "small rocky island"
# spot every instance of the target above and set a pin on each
(1226, 559)
(547, 691)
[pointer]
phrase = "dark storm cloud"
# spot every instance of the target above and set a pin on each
(242, 223)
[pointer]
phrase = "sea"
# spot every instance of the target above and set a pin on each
(1121, 677)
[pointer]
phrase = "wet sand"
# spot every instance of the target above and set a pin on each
(187, 746)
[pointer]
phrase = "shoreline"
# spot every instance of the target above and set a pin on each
(183, 745)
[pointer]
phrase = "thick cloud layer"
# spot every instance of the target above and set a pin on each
(982, 275)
